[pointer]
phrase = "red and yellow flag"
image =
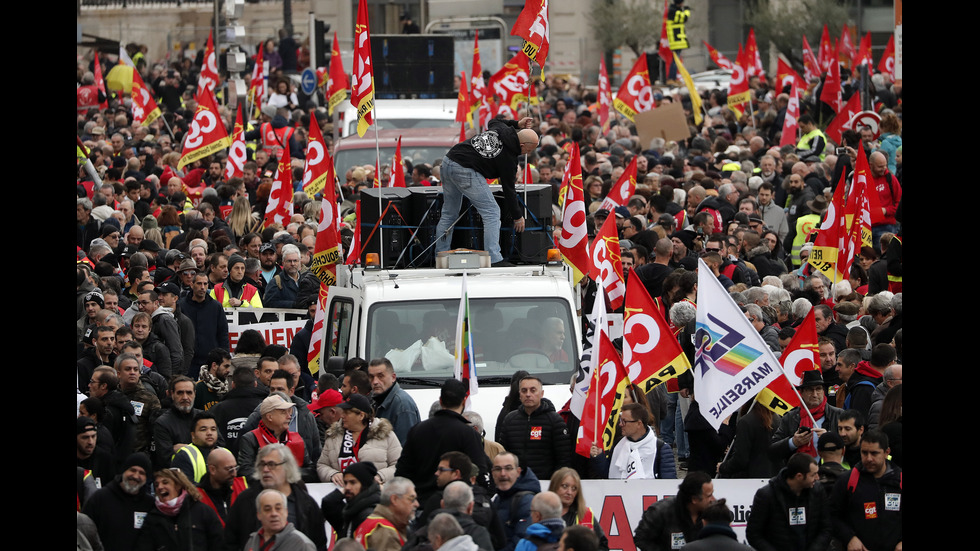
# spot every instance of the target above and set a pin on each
(605, 96)
(787, 76)
(606, 266)
(235, 166)
(327, 253)
(100, 82)
(397, 167)
(574, 241)
(604, 399)
(337, 84)
(207, 134)
(318, 172)
(620, 193)
(532, 25)
(280, 206)
(791, 125)
(362, 81)
(145, 109)
(313, 355)
(207, 80)
(256, 88)
(716, 56)
(651, 354)
(800, 355)
(636, 93)
(755, 68)
(510, 82)
(478, 88)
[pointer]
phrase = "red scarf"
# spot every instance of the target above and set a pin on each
(805, 421)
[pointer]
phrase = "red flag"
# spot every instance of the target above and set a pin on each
(620, 194)
(256, 89)
(831, 93)
(791, 126)
(280, 206)
(237, 154)
(842, 121)
(755, 68)
(651, 354)
(864, 52)
(510, 82)
(826, 53)
(887, 64)
(605, 96)
(207, 133)
(316, 339)
(208, 79)
(100, 82)
(602, 403)
(362, 81)
(720, 60)
(397, 167)
(318, 172)
(636, 94)
(478, 88)
(145, 109)
(463, 113)
(574, 242)
(327, 253)
(337, 85)
(831, 235)
(606, 268)
(847, 52)
(786, 76)
(863, 185)
(663, 49)
(811, 66)
(738, 87)
(801, 355)
(532, 25)
(354, 256)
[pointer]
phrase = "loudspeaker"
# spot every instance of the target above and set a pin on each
(396, 209)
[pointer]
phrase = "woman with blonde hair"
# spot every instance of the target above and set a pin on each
(241, 219)
(568, 485)
(179, 521)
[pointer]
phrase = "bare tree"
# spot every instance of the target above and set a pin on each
(633, 23)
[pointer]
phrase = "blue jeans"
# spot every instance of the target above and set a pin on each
(458, 181)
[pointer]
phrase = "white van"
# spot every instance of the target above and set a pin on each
(402, 114)
(409, 316)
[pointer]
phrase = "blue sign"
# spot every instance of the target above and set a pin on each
(307, 81)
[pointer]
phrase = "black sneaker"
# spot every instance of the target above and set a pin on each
(503, 264)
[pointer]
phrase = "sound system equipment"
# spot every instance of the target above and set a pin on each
(417, 210)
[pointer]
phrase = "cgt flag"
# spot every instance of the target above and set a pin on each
(532, 25)
(478, 88)
(397, 178)
(605, 96)
(800, 355)
(464, 366)
(811, 67)
(594, 324)
(362, 81)
(887, 64)
(207, 133)
(600, 414)
(280, 205)
(651, 354)
(510, 83)
(337, 86)
(574, 241)
(145, 109)
(720, 60)
(319, 170)
(791, 125)
(316, 339)
(256, 89)
(731, 361)
(636, 93)
(208, 79)
(327, 251)
(237, 154)
(606, 266)
(620, 194)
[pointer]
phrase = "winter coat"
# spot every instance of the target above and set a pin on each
(196, 527)
(232, 412)
(381, 447)
(780, 447)
(400, 410)
(513, 507)
(782, 520)
(289, 539)
(114, 512)
(749, 456)
(540, 440)
(445, 431)
(346, 515)
(872, 511)
(242, 521)
(662, 523)
(210, 326)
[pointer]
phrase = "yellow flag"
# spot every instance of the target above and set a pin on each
(695, 98)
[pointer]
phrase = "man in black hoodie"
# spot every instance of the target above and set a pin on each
(467, 166)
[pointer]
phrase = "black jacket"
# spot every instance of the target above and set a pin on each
(210, 326)
(445, 431)
(346, 516)
(779, 447)
(120, 419)
(775, 522)
(749, 456)
(242, 520)
(707, 445)
(539, 440)
(112, 510)
(173, 427)
(659, 521)
(494, 154)
(232, 412)
(850, 510)
(195, 527)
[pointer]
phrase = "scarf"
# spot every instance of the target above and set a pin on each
(172, 507)
(349, 448)
(817, 413)
(214, 384)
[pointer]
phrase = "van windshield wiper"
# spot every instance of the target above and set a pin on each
(419, 381)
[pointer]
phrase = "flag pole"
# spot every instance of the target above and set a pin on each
(377, 181)
(729, 450)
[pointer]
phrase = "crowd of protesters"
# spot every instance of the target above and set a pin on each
(161, 251)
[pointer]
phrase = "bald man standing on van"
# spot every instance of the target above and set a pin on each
(465, 171)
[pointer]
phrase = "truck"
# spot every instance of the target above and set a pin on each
(522, 318)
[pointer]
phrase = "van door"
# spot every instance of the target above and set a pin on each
(342, 320)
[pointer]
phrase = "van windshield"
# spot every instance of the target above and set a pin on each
(348, 158)
(531, 334)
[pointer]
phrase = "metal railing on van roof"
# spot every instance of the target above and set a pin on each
(151, 3)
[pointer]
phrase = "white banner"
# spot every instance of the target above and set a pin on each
(731, 361)
(277, 325)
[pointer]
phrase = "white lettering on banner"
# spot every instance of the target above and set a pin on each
(644, 95)
(619, 504)
(636, 325)
(277, 325)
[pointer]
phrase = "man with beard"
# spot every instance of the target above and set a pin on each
(796, 431)
(219, 486)
(120, 507)
(173, 429)
(267, 259)
(346, 509)
(100, 354)
(213, 384)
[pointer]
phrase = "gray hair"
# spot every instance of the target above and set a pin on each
(86, 204)
(897, 304)
(444, 526)
(754, 294)
(801, 307)
(289, 249)
(457, 496)
(292, 470)
(547, 504)
(682, 313)
(756, 312)
(397, 486)
(258, 498)
(475, 419)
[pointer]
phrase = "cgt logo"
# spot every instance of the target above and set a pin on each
(870, 510)
(535, 433)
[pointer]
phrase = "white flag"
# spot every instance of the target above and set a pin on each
(598, 322)
(731, 361)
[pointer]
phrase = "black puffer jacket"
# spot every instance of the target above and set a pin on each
(539, 440)
(659, 522)
(769, 526)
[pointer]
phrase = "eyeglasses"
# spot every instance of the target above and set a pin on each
(269, 465)
(231, 469)
(623, 421)
(444, 470)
